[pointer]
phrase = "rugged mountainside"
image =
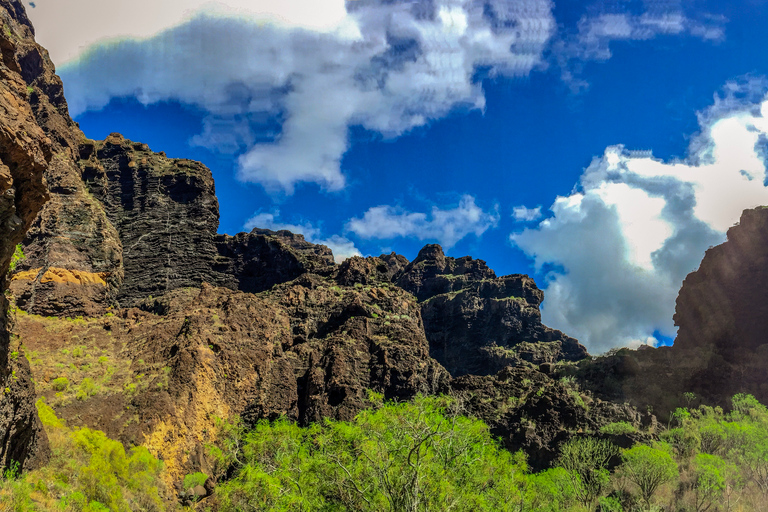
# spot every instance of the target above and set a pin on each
(28, 92)
(721, 347)
(139, 319)
(478, 323)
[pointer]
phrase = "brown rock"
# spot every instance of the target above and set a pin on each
(477, 323)
(24, 154)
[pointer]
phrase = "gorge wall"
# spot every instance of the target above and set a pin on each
(721, 347)
(27, 91)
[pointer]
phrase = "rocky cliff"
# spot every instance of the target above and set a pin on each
(25, 154)
(141, 320)
(721, 347)
(477, 323)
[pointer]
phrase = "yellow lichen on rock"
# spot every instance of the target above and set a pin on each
(62, 275)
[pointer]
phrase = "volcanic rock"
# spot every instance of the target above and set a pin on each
(25, 152)
(477, 323)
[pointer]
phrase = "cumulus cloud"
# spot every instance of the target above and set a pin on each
(636, 226)
(342, 248)
(445, 226)
(287, 96)
(65, 28)
(523, 214)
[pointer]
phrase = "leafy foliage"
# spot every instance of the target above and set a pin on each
(398, 457)
(88, 472)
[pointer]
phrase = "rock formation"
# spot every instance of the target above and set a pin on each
(721, 347)
(477, 323)
(143, 321)
(25, 153)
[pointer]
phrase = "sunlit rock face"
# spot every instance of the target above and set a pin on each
(26, 81)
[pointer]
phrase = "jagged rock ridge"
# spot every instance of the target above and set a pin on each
(477, 323)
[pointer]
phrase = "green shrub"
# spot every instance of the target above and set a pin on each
(619, 428)
(405, 456)
(86, 389)
(18, 255)
(194, 479)
(60, 384)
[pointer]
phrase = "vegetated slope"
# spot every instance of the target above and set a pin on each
(721, 347)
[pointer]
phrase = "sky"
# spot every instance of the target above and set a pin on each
(599, 146)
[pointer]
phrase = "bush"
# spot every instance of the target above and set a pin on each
(619, 428)
(86, 389)
(60, 384)
(419, 456)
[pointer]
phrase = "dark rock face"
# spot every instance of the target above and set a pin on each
(256, 261)
(536, 413)
(477, 323)
(724, 304)
(307, 349)
(24, 155)
(721, 347)
(164, 210)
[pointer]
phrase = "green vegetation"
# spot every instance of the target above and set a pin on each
(425, 456)
(619, 428)
(18, 255)
(419, 456)
(87, 472)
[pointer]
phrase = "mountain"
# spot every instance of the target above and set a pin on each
(128, 312)
(721, 348)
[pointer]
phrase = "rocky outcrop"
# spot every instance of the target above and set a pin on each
(477, 323)
(256, 261)
(532, 411)
(164, 211)
(307, 349)
(25, 152)
(71, 236)
(721, 348)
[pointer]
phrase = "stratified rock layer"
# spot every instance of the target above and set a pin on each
(477, 323)
(164, 210)
(24, 155)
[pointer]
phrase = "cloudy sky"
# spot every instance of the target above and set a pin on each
(600, 146)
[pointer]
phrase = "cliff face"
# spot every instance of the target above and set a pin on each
(25, 153)
(477, 323)
(127, 287)
(721, 347)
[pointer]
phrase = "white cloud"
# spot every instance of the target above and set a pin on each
(445, 226)
(638, 225)
(287, 96)
(523, 214)
(342, 248)
(596, 31)
(93, 21)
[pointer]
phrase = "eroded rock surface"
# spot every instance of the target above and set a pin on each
(25, 152)
(721, 347)
(307, 349)
(477, 323)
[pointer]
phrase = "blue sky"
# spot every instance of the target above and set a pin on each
(601, 147)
